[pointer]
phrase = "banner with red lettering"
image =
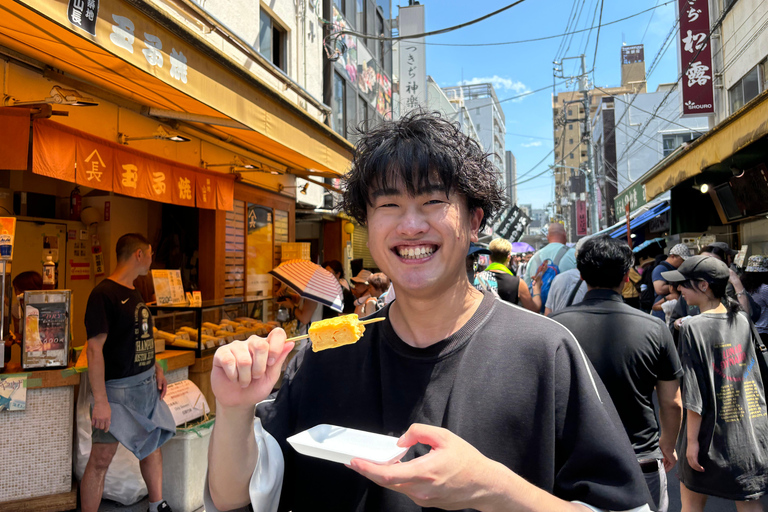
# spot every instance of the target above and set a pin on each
(698, 93)
(71, 155)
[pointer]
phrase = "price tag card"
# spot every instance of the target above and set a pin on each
(186, 402)
(168, 287)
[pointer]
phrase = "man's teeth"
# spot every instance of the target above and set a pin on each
(412, 253)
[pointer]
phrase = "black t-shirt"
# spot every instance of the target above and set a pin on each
(631, 351)
(513, 384)
(121, 313)
(722, 383)
(508, 286)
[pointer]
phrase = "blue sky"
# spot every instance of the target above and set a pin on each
(518, 68)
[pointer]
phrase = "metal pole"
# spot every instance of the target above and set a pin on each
(594, 215)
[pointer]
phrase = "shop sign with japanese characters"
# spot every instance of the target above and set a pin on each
(581, 218)
(634, 196)
(696, 58)
(413, 60)
(512, 227)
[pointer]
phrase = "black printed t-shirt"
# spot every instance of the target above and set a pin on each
(120, 312)
(513, 384)
(631, 352)
(722, 383)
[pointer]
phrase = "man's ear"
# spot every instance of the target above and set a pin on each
(475, 219)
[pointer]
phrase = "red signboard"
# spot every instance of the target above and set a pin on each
(581, 218)
(696, 58)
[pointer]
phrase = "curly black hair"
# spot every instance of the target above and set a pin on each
(421, 150)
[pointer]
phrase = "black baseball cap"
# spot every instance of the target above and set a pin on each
(476, 249)
(699, 267)
(725, 247)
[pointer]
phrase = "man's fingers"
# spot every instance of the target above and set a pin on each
(259, 349)
(424, 434)
(276, 340)
(388, 475)
(274, 371)
(225, 359)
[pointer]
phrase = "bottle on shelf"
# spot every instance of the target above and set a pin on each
(49, 273)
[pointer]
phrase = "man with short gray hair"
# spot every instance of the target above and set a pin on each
(556, 251)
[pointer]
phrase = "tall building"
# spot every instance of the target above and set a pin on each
(569, 123)
(488, 116)
(510, 176)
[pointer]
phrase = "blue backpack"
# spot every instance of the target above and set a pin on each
(552, 270)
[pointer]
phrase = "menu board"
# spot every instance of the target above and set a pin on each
(169, 289)
(45, 340)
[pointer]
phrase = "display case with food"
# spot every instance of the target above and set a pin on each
(214, 323)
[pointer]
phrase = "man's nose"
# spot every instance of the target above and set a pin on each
(412, 222)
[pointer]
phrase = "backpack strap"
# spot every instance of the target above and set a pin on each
(574, 292)
(562, 252)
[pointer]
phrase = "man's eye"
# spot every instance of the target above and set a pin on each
(435, 201)
(387, 205)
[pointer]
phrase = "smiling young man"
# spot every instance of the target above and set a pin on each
(497, 405)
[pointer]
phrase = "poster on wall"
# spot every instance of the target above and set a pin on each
(45, 336)
(347, 44)
(258, 250)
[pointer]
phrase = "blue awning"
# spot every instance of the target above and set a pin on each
(642, 219)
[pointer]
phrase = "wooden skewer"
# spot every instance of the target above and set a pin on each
(364, 322)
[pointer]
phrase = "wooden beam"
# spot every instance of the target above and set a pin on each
(51, 503)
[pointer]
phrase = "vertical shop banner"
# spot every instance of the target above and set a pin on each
(83, 14)
(54, 152)
(413, 69)
(95, 164)
(225, 194)
(259, 249)
(159, 185)
(14, 132)
(696, 58)
(581, 218)
(205, 189)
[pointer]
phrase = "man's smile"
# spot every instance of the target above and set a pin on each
(415, 252)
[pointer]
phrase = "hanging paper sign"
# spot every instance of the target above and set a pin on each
(186, 402)
(168, 287)
(13, 393)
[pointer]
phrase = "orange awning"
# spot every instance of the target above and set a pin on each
(168, 67)
(72, 155)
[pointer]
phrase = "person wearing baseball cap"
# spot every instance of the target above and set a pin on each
(721, 445)
(677, 255)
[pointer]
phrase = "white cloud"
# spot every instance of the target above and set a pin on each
(500, 84)
(533, 144)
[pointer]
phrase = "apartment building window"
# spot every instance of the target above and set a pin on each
(570, 112)
(570, 126)
(746, 89)
(272, 40)
(674, 140)
(360, 16)
(570, 141)
(339, 117)
(377, 45)
(570, 156)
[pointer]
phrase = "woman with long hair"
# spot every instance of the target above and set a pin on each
(724, 438)
(755, 280)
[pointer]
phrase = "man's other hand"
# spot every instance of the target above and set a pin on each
(244, 372)
(101, 417)
(453, 475)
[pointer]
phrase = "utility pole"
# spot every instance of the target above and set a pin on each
(586, 135)
(594, 215)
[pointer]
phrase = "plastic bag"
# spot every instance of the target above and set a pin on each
(123, 482)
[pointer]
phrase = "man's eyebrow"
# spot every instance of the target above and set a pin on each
(429, 189)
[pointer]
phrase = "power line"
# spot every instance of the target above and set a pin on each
(648, 25)
(426, 34)
(597, 40)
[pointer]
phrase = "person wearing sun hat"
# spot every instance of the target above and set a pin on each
(721, 444)
(755, 281)
(677, 255)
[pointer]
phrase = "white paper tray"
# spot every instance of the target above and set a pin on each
(340, 444)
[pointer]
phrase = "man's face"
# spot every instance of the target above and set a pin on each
(360, 289)
(144, 258)
(675, 260)
(421, 242)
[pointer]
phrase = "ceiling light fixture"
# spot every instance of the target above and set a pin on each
(238, 165)
(160, 134)
(302, 189)
(59, 96)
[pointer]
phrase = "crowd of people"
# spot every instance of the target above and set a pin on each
(527, 385)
